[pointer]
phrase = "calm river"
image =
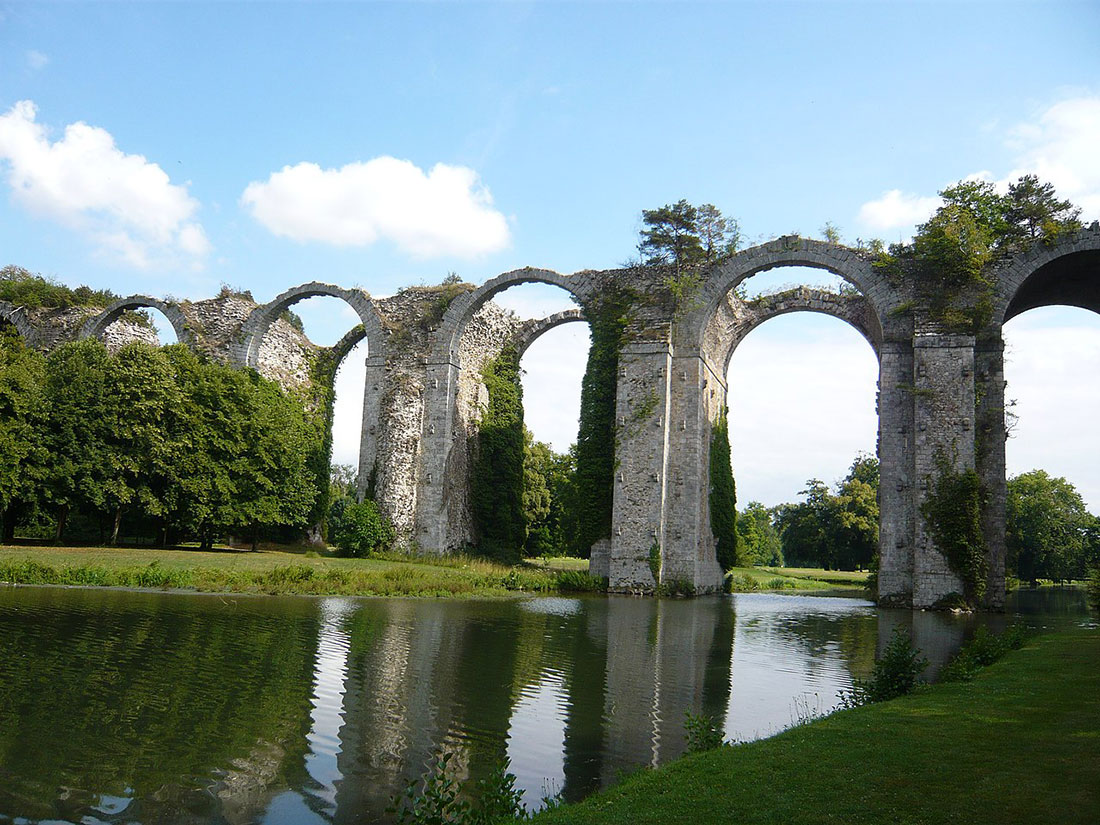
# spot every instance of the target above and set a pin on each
(146, 707)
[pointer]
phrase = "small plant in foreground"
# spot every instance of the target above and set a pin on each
(437, 798)
(983, 650)
(895, 674)
(704, 733)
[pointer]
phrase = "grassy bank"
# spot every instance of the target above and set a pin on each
(277, 571)
(749, 579)
(1019, 744)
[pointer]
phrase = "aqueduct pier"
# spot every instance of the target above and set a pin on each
(940, 392)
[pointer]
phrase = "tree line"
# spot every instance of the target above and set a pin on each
(157, 444)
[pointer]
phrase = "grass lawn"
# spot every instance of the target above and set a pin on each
(270, 571)
(747, 579)
(1019, 744)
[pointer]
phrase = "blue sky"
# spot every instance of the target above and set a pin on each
(170, 147)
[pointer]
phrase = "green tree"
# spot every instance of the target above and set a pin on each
(537, 466)
(77, 436)
(833, 530)
(757, 539)
(141, 397)
(497, 488)
(363, 530)
(23, 457)
(670, 235)
(1032, 212)
(1048, 531)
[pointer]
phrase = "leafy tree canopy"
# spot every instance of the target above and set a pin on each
(681, 234)
(1049, 533)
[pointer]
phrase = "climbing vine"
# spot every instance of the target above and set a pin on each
(497, 484)
(952, 510)
(595, 470)
(723, 494)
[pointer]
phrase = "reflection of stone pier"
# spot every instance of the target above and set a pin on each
(664, 659)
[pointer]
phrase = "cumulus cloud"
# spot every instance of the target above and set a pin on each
(124, 203)
(896, 210)
(1059, 146)
(446, 211)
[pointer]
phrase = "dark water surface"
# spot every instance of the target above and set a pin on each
(118, 706)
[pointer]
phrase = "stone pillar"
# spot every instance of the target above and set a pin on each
(439, 439)
(368, 435)
(896, 473)
(943, 396)
(990, 438)
(637, 518)
(697, 397)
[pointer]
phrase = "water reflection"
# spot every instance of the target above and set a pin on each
(142, 707)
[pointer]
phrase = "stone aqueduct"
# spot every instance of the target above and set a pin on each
(938, 393)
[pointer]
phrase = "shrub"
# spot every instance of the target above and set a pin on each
(1094, 589)
(437, 798)
(895, 674)
(579, 581)
(981, 651)
(363, 530)
(704, 733)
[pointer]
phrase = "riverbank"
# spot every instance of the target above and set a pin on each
(1020, 743)
(273, 571)
(281, 570)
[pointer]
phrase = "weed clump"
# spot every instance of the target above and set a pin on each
(895, 674)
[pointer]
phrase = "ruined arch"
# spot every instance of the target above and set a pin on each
(463, 308)
(17, 317)
(531, 330)
(95, 326)
(257, 324)
(697, 326)
(1065, 273)
(853, 310)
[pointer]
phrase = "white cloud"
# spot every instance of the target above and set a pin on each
(444, 212)
(896, 210)
(124, 203)
(1061, 147)
(36, 60)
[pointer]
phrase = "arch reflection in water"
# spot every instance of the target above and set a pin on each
(141, 707)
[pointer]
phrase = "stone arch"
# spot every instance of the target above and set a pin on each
(530, 331)
(853, 310)
(464, 307)
(790, 250)
(257, 324)
(95, 326)
(1065, 273)
(17, 317)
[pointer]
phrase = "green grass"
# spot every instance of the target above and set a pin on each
(1018, 744)
(277, 571)
(747, 579)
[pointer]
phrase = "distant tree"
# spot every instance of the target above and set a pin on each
(537, 466)
(1048, 531)
(833, 530)
(757, 539)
